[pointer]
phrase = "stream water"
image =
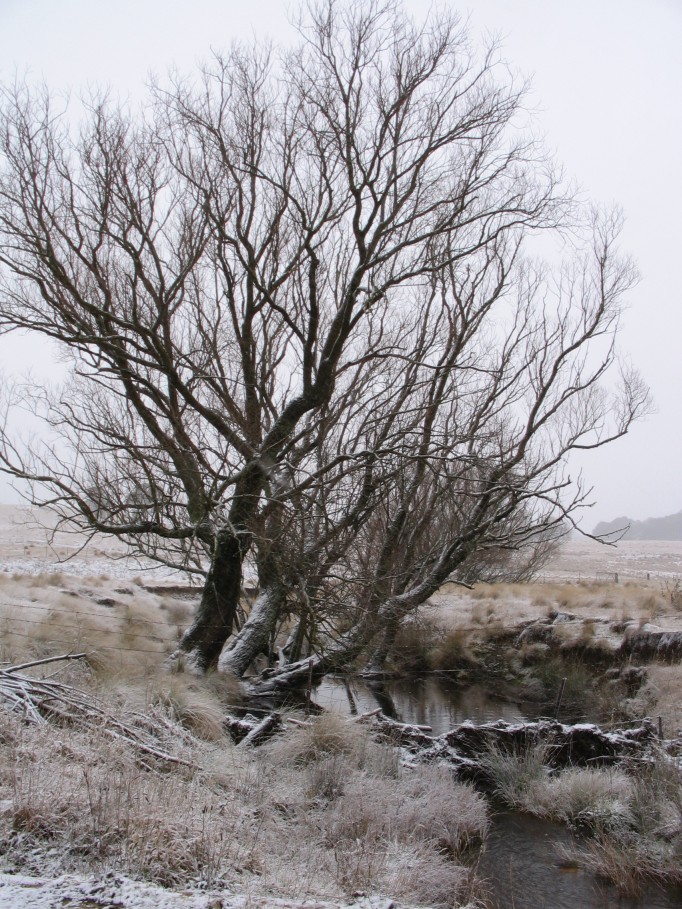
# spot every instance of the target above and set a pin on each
(524, 862)
(426, 701)
(522, 857)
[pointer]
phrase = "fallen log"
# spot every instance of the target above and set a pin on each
(237, 728)
(465, 747)
(249, 731)
(263, 730)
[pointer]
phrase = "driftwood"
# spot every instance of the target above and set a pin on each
(248, 731)
(238, 728)
(263, 730)
(41, 700)
(465, 747)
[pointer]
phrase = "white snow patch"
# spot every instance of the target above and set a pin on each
(115, 891)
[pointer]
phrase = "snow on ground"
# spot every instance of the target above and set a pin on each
(585, 559)
(29, 545)
(114, 891)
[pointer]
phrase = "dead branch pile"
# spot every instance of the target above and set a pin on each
(41, 700)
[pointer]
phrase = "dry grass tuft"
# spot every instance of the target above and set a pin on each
(326, 735)
(634, 819)
(516, 776)
(660, 696)
(187, 701)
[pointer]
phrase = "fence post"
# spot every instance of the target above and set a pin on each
(559, 697)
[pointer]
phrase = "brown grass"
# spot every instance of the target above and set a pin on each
(255, 820)
(634, 819)
(323, 810)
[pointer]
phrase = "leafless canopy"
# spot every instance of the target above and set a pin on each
(304, 331)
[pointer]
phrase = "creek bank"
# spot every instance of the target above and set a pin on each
(598, 665)
(564, 749)
(465, 747)
(526, 863)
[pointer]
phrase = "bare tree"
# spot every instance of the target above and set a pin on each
(302, 330)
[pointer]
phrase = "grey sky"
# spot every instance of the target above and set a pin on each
(607, 91)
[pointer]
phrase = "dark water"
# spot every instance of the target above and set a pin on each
(522, 857)
(427, 701)
(522, 861)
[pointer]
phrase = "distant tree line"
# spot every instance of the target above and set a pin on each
(666, 528)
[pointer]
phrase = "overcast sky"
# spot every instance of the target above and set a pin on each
(607, 91)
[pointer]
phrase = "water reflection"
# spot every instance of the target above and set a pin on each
(427, 702)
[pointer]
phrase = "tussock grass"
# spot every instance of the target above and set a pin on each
(633, 818)
(188, 702)
(584, 797)
(125, 634)
(647, 845)
(320, 811)
(516, 776)
(367, 811)
(661, 695)
(412, 651)
(454, 651)
(255, 819)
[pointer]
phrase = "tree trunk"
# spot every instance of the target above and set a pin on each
(254, 638)
(376, 663)
(205, 638)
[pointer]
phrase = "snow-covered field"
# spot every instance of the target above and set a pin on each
(630, 559)
(29, 545)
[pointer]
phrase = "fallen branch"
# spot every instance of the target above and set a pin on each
(55, 659)
(263, 730)
(41, 700)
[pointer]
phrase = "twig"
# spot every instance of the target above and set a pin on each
(39, 699)
(56, 659)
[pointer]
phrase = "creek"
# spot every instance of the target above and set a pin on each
(524, 863)
(523, 860)
(430, 701)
